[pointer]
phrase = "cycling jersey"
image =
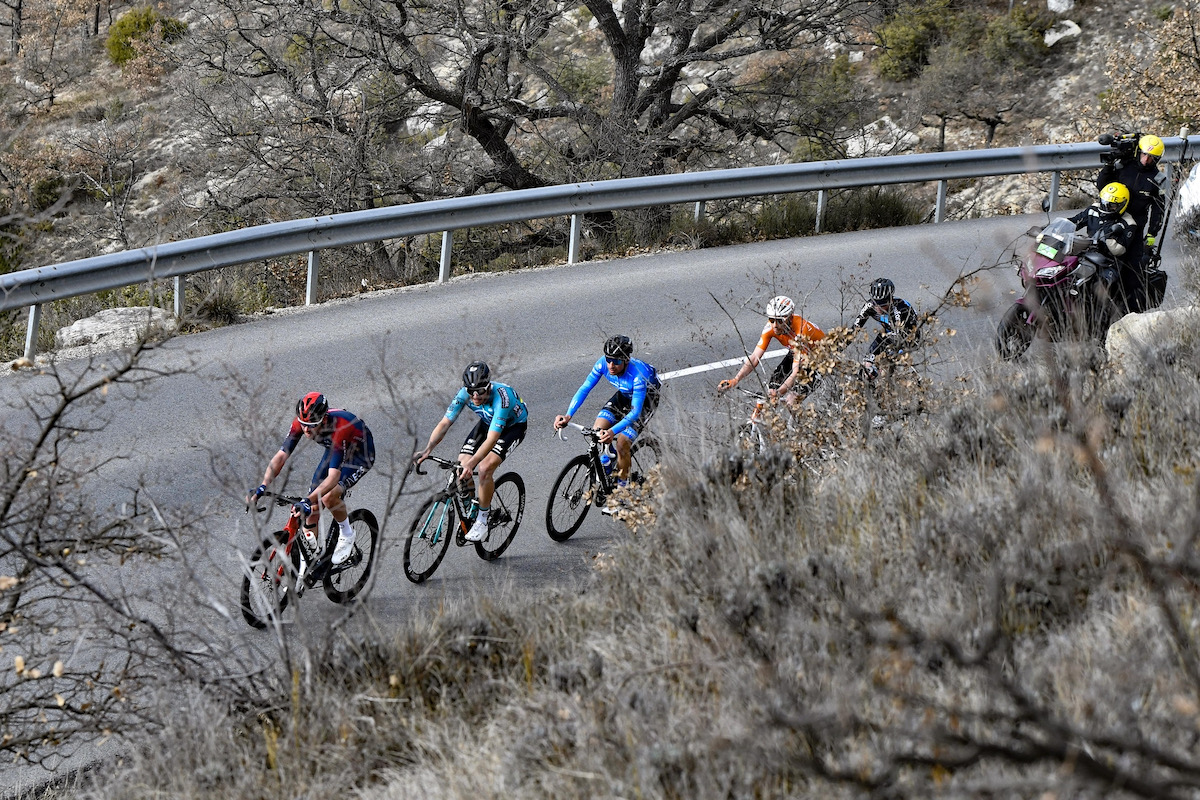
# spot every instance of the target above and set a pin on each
(801, 333)
(900, 319)
(504, 407)
(635, 382)
(349, 446)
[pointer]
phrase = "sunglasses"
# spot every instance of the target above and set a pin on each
(778, 320)
(475, 390)
(616, 361)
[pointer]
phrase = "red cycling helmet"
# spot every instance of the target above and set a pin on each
(311, 408)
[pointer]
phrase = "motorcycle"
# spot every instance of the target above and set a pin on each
(1066, 276)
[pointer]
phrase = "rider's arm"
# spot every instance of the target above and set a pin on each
(589, 383)
(274, 466)
(747, 366)
(864, 315)
(637, 401)
(331, 480)
(794, 375)
(1158, 205)
(436, 436)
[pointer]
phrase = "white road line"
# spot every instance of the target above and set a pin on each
(729, 362)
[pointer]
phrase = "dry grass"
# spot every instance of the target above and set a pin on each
(995, 595)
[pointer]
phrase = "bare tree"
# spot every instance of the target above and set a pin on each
(433, 99)
(87, 626)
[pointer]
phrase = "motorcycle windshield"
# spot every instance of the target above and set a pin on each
(1057, 240)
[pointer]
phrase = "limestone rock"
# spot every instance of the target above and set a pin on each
(114, 328)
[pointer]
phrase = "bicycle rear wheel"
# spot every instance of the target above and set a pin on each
(508, 506)
(428, 537)
(645, 455)
(570, 498)
(270, 581)
(345, 581)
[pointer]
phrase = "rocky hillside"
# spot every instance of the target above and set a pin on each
(148, 170)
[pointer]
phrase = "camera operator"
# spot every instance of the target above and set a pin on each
(1133, 161)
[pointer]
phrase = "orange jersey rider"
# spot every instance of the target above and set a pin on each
(795, 333)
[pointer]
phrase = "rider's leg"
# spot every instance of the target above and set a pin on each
(333, 501)
(463, 458)
(487, 469)
(345, 540)
(624, 461)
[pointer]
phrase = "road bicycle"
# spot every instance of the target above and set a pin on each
(587, 480)
(752, 434)
(430, 532)
(273, 575)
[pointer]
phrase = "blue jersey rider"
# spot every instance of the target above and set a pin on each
(626, 413)
(501, 427)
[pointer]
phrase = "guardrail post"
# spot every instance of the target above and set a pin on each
(447, 248)
(31, 330)
(939, 211)
(310, 287)
(573, 244)
(180, 286)
(822, 198)
(1055, 179)
(698, 214)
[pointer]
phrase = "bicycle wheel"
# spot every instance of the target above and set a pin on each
(570, 499)
(428, 537)
(644, 456)
(345, 581)
(269, 581)
(508, 506)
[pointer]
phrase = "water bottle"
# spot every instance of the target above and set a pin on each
(309, 535)
(606, 460)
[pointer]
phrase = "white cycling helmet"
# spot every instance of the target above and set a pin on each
(780, 308)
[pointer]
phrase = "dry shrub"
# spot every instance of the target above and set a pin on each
(993, 594)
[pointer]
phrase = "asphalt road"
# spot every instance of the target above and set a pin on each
(201, 437)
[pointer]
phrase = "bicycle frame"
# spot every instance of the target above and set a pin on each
(605, 482)
(320, 562)
(448, 493)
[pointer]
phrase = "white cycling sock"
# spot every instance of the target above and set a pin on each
(347, 531)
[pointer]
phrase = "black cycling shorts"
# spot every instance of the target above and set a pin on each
(620, 404)
(511, 436)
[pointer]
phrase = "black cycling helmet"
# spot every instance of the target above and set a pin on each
(882, 291)
(477, 376)
(619, 347)
(311, 408)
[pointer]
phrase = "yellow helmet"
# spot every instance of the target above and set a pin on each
(1151, 145)
(1114, 198)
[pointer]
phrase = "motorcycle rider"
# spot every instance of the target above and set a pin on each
(1138, 171)
(1114, 231)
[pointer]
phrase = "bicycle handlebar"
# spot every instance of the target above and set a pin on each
(278, 498)
(441, 462)
(591, 433)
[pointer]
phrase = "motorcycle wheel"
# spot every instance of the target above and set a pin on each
(1015, 333)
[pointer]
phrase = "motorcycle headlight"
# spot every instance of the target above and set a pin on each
(1049, 272)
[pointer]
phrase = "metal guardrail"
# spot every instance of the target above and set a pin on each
(33, 287)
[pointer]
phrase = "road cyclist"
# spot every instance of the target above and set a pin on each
(795, 333)
(625, 415)
(293, 559)
(503, 418)
(898, 323)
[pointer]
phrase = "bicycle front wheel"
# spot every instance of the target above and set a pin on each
(346, 580)
(269, 582)
(428, 537)
(508, 506)
(570, 499)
